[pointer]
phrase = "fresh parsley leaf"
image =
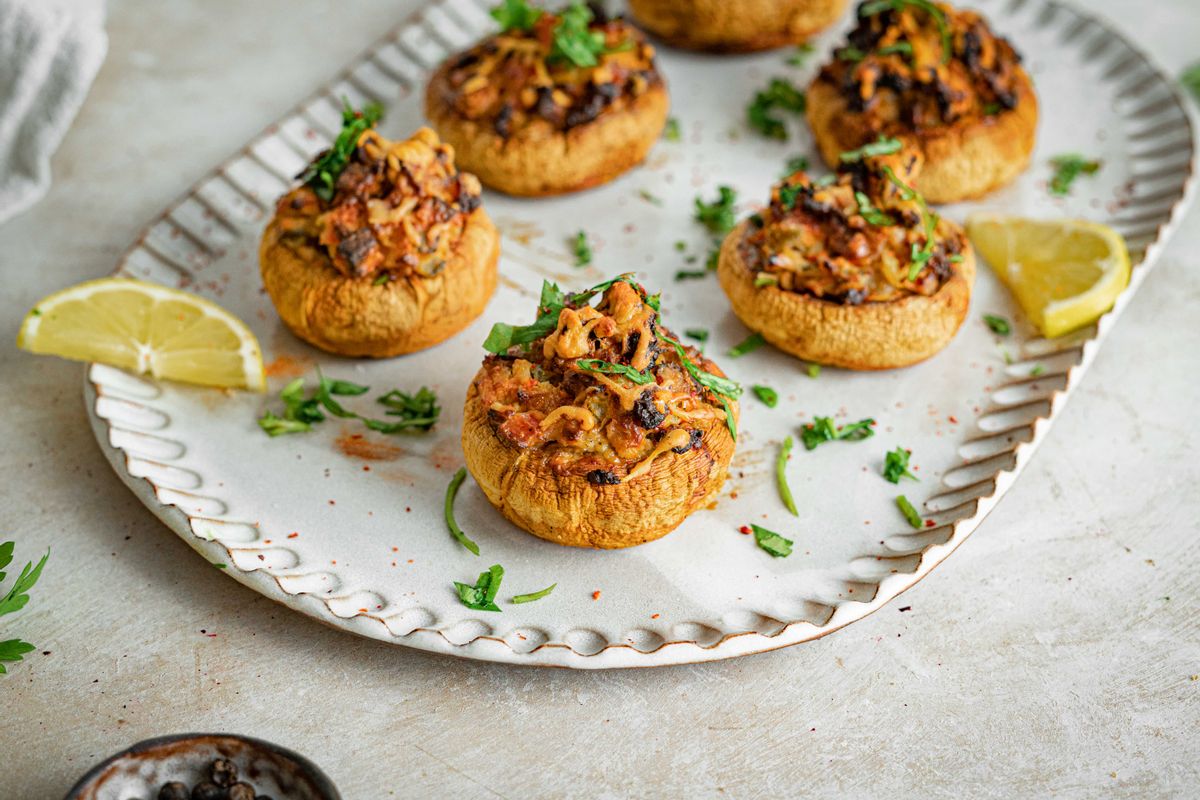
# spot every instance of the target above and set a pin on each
(680, 246)
(448, 508)
(849, 53)
(813, 370)
(13, 650)
(938, 16)
(609, 368)
(574, 40)
(713, 260)
(797, 59)
(325, 398)
(895, 466)
(870, 213)
(419, 410)
(699, 334)
(919, 256)
(822, 430)
(482, 596)
(18, 594)
(582, 250)
(503, 336)
(766, 394)
(724, 388)
(516, 15)
(998, 325)
(690, 274)
(1038, 369)
(280, 426)
(785, 491)
(796, 164)
(779, 94)
(382, 279)
(718, 215)
(671, 131)
(772, 542)
(1190, 78)
(992, 109)
(910, 513)
(765, 279)
(883, 146)
(650, 198)
(529, 598)
(751, 342)
(346, 388)
(1067, 168)
(6, 555)
(323, 172)
(897, 48)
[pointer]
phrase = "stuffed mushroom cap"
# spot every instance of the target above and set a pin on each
(854, 271)
(940, 79)
(385, 250)
(555, 102)
(594, 426)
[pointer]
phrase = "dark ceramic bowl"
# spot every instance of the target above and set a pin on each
(138, 772)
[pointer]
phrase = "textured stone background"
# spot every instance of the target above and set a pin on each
(1054, 654)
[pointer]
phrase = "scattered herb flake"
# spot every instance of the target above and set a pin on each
(935, 13)
(1190, 78)
(785, 492)
(998, 325)
(652, 199)
(822, 430)
(766, 394)
(813, 370)
(573, 40)
(323, 172)
(870, 213)
(751, 342)
(910, 513)
(1038, 369)
(772, 542)
(779, 94)
(482, 596)
(796, 164)
(382, 279)
(884, 145)
(765, 279)
(699, 334)
(897, 48)
(671, 131)
(717, 215)
(451, 493)
(680, 246)
(895, 465)
(516, 15)
(529, 598)
(1067, 168)
(801, 54)
(609, 368)
(690, 274)
(582, 250)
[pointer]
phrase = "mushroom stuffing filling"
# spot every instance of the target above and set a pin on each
(864, 237)
(567, 69)
(912, 65)
(396, 210)
(607, 390)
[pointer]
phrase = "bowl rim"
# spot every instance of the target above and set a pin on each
(319, 778)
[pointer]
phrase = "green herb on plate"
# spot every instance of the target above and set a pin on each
(910, 513)
(998, 325)
(765, 279)
(768, 396)
(609, 368)
(448, 508)
(813, 370)
(699, 334)
(323, 172)
(751, 342)
(652, 199)
(779, 94)
(796, 164)
(529, 598)
(800, 55)
(772, 542)
(573, 40)
(16, 598)
(895, 465)
(822, 430)
(582, 249)
(671, 131)
(1067, 168)
(785, 491)
(482, 596)
(717, 215)
(516, 15)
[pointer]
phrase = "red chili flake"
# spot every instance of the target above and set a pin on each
(293, 535)
(953, 419)
(408, 509)
(395, 549)
(333, 562)
(654, 616)
(265, 541)
(366, 467)
(332, 503)
(745, 529)
(596, 595)
(410, 561)
(733, 495)
(929, 523)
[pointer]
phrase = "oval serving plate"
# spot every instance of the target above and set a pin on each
(346, 525)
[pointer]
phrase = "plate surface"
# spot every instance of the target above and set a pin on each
(346, 525)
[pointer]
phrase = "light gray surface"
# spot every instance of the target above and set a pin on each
(1043, 658)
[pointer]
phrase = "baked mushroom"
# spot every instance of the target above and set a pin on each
(939, 79)
(721, 25)
(594, 426)
(554, 103)
(854, 271)
(384, 249)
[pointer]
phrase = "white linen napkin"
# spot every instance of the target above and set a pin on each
(50, 51)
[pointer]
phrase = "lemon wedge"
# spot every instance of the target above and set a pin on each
(148, 329)
(1065, 273)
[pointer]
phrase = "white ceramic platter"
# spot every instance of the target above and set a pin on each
(350, 531)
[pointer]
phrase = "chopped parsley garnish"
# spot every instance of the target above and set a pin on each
(690, 274)
(822, 430)
(529, 598)
(382, 279)
(574, 40)
(751, 342)
(714, 257)
(813, 370)
(998, 325)
(516, 15)
(919, 256)
(895, 465)
(897, 48)
(882, 146)
(671, 131)
(582, 250)
(910, 513)
(451, 493)
(281, 426)
(779, 94)
(699, 334)
(650, 198)
(418, 411)
(992, 109)
(718, 215)
(870, 213)
(796, 164)
(1038, 369)
(1190, 78)
(772, 542)
(849, 53)
(938, 16)
(16, 598)
(766, 394)
(680, 246)
(1067, 168)
(482, 596)
(323, 172)
(723, 388)
(797, 59)
(765, 279)
(503, 336)
(609, 368)
(785, 492)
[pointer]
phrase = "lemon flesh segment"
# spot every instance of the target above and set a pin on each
(148, 329)
(1065, 273)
